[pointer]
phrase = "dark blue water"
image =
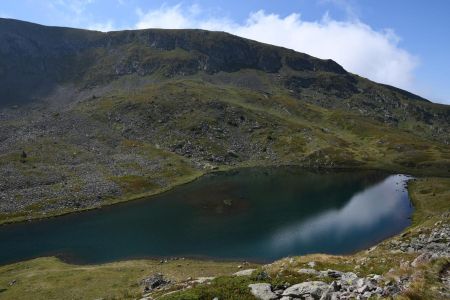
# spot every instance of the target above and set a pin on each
(251, 214)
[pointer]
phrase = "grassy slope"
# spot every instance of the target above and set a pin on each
(278, 129)
(49, 278)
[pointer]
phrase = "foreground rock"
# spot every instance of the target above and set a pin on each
(262, 291)
(312, 289)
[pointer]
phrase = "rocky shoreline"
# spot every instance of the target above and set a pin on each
(427, 246)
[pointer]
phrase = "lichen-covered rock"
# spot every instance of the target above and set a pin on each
(314, 289)
(262, 291)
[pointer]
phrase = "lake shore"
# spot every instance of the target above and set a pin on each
(393, 259)
(32, 213)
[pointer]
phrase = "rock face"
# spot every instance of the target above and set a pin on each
(38, 58)
(262, 291)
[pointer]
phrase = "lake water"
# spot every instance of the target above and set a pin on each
(250, 214)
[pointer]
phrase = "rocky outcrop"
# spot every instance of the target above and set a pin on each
(153, 282)
(432, 244)
(311, 289)
(347, 285)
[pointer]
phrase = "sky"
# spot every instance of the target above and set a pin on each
(404, 43)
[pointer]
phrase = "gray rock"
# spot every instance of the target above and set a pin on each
(363, 289)
(360, 282)
(203, 279)
(314, 289)
(378, 290)
(332, 273)
(247, 272)
(153, 282)
(309, 272)
(421, 259)
(262, 291)
(349, 278)
(330, 293)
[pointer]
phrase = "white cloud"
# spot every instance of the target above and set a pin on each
(105, 27)
(383, 201)
(172, 17)
(75, 6)
(356, 46)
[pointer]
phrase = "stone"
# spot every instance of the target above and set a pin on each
(421, 259)
(309, 272)
(378, 290)
(311, 264)
(153, 282)
(360, 282)
(349, 278)
(262, 291)
(333, 273)
(377, 277)
(363, 289)
(330, 292)
(247, 272)
(314, 289)
(203, 279)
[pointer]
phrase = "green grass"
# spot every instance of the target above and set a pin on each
(50, 278)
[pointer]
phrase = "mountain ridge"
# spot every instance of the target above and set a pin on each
(109, 117)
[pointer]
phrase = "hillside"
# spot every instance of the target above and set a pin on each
(90, 118)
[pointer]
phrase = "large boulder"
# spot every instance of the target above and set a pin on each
(262, 291)
(312, 289)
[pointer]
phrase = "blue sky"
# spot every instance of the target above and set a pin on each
(405, 43)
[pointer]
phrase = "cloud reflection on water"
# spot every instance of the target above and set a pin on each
(364, 210)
